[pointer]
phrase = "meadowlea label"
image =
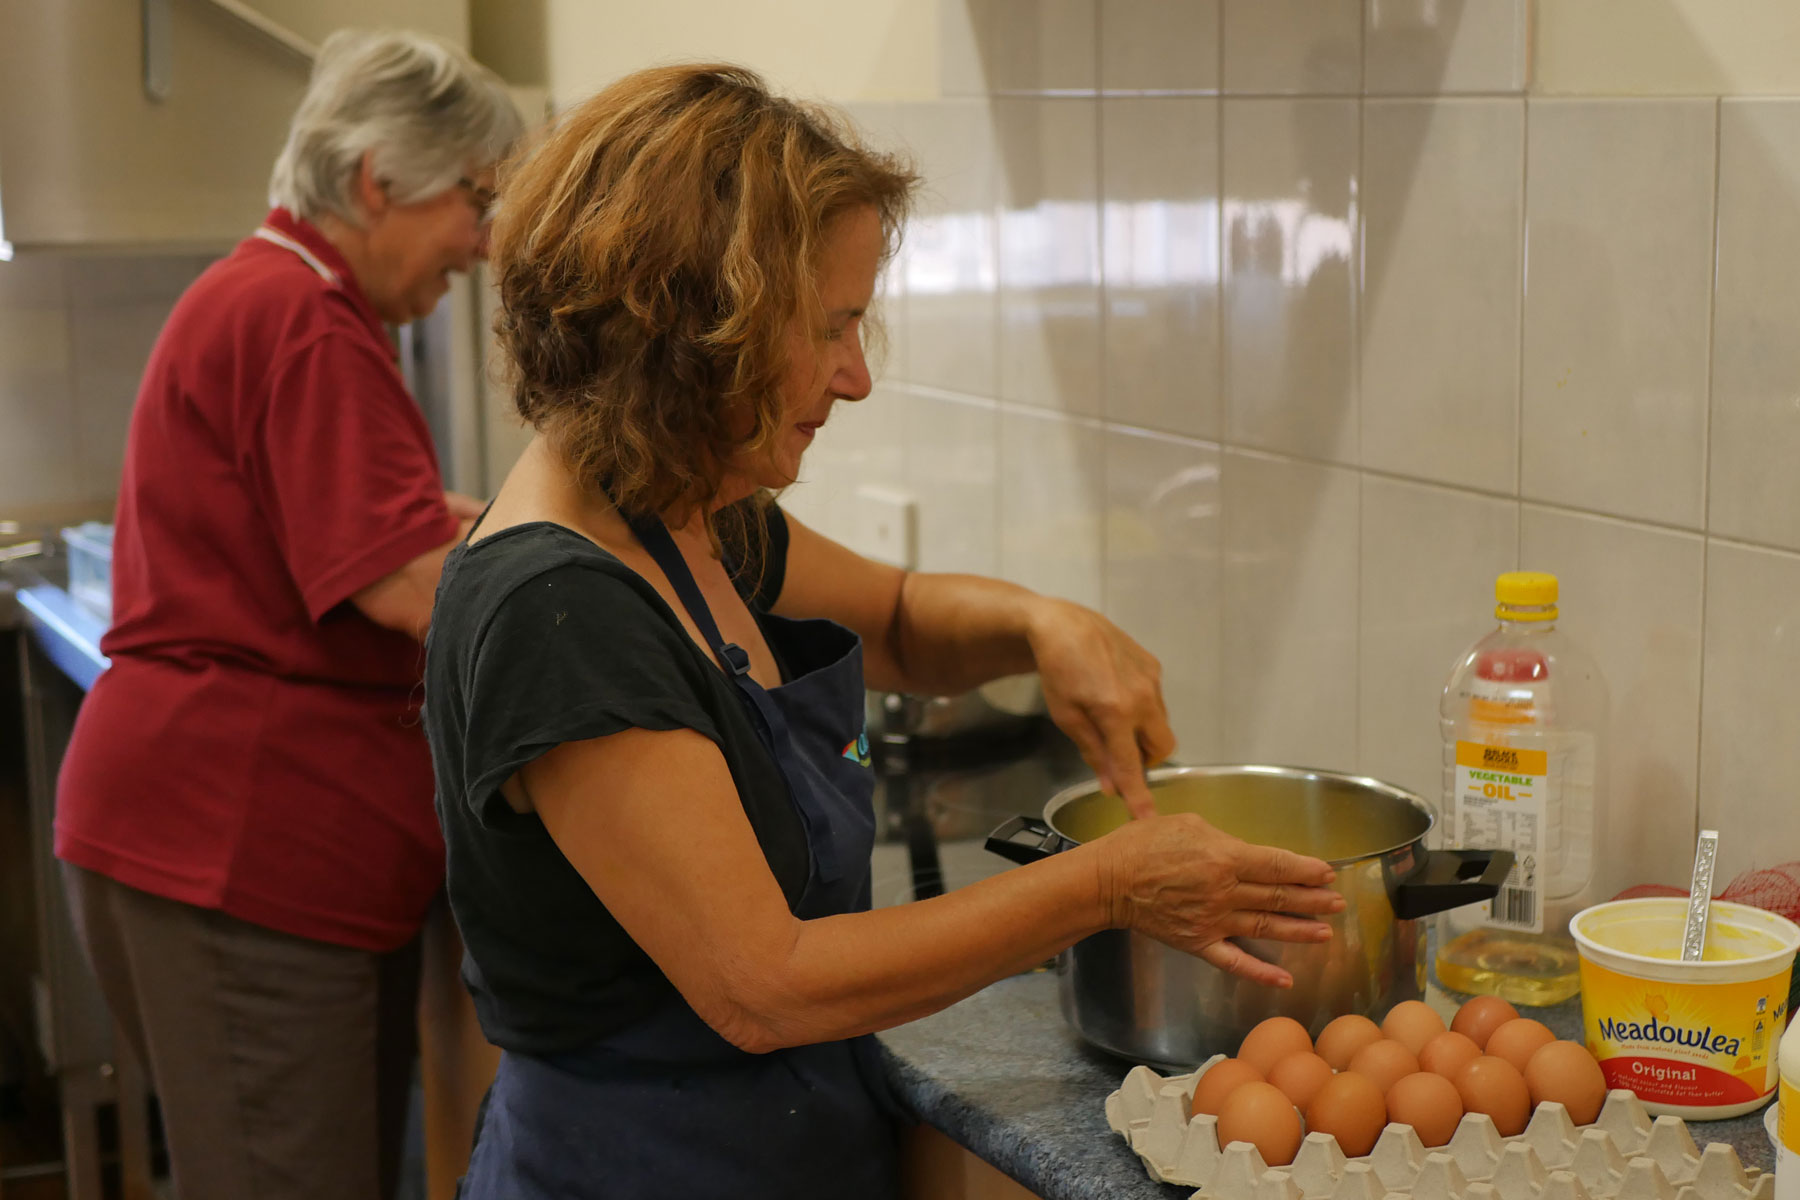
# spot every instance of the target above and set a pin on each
(1500, 806)
(1688, 1045)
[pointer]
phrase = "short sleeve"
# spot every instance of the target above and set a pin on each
(348, 476)
(573, 653)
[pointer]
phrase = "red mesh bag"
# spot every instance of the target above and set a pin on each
(1776, 889)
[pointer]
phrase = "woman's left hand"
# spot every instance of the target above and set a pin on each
(1104, 691)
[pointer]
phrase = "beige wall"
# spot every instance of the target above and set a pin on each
(1215, 315)
(1668, 47)
(872, 49)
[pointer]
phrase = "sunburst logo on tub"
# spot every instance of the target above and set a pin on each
(1694, 1046)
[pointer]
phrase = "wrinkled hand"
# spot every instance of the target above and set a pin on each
(463, 508)
(1104, 691)
(1183, 882)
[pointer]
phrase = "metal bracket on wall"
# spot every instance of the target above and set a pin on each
(159, 40)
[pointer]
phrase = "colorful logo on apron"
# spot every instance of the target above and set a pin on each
(858, 751)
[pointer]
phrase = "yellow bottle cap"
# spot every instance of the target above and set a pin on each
(1525, 596)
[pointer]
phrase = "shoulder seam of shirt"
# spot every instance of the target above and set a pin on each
(603, 562)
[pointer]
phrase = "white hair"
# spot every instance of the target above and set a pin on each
(425, 113)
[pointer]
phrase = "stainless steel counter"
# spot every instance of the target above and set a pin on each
(68, 634)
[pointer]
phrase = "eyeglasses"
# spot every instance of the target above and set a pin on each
(481, 199)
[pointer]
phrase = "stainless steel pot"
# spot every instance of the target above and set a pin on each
(1142, 1000)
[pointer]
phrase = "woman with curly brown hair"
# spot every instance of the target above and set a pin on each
(644, 686)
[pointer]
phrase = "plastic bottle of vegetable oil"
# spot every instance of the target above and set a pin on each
(1522, 720)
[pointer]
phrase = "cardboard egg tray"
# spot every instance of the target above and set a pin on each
(1623, 1155)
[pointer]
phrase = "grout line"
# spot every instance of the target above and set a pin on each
(1712, 318)
(1357, 312)
(1524, 292)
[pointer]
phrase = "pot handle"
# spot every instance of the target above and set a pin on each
(1450, 879)
(1024, 840)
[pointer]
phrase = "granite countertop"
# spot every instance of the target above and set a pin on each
(1003, 1075)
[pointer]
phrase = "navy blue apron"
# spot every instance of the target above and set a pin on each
(667, 1107)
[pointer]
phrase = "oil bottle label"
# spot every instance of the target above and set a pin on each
(1500, 806)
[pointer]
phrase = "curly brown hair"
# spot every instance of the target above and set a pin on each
(651, 253)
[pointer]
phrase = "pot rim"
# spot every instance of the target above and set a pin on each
(1091, 787)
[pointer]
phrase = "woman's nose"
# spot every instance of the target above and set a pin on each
(853, 381)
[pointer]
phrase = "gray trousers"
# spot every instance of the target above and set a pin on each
(283, 1065)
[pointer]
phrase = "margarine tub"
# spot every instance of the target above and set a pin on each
(1693, 1040)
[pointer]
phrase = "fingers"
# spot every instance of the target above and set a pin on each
(1271, 864)
(1283, 898)
(1274, 927)
(1236, 961)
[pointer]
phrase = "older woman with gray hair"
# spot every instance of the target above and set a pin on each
(244, 814)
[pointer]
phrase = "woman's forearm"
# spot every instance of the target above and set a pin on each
(860, 972)
(950, 633)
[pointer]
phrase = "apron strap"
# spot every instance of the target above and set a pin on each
(772, 725)
(654, 536)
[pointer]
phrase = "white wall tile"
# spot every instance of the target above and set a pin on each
(1429, 558)
(1050, 253)
(110, 347)
(1750, 725)
(1159, 45)
(34, 281)
(1631, 597)
(1311, 47)
(961, 71)
(1052, 495)
(1443, 184)
(1755, 440)
(39, 442)
(1290, 604)
(1163, 532)
(953, 467)
(862, 443)
(1160, 262)
(1039, 45)
(1427, 47)
(950, 255)
(1619, 197)
(132, 279)
(1289, 180)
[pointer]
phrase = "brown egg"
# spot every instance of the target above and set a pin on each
(1517, 1040)
(1384, 1062)
(1491, 1085)
(1478, 1018)
(1273, 1040)
(1259, 1114)
(1300, 1076)
(1412, 1023)
(1429, 1103)
(1340, 1040)
(1446, 1053)
(1219, 1081)
(1350, 1108)
(1566, 1073)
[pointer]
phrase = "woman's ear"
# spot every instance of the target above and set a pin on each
(371, 192)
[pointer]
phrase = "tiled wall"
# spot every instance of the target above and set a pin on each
(1277, 328)
(75, 331)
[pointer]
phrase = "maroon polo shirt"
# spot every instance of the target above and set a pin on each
(255, 746)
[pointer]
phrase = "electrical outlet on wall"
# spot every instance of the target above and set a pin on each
(887, 525)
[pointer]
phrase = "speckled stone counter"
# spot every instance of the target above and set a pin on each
(1002, 1074)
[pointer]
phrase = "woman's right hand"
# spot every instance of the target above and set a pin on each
(1181, 881)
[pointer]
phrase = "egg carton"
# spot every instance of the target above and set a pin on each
(1623, 1155)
